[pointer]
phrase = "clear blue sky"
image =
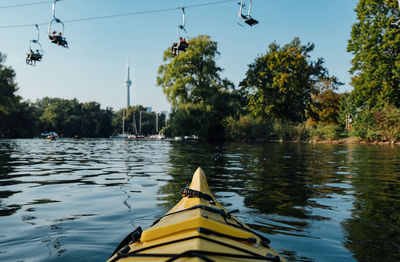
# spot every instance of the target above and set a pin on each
(94, 67)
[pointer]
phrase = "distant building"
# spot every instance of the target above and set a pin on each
(148, 109)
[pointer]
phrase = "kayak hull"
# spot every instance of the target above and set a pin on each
(198, 228)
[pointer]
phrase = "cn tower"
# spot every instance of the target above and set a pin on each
(128, 84)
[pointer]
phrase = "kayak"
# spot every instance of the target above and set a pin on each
(198, 228)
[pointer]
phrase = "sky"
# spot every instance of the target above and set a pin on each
(94, 67)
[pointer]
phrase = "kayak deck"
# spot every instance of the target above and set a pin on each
(198, 228)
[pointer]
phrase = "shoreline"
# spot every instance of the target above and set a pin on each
(342, 141)
(353, 141)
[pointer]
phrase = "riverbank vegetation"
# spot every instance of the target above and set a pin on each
(285, 95)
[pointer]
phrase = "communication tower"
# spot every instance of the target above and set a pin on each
(128, 84)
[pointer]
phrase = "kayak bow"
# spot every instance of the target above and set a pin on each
(198, 228)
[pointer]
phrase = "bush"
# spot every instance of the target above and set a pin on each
(387, 122)
(247, 127)
(289, 131)
(324, 131)
(378, 125)
(364, 126)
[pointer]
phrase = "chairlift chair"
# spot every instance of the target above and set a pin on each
(34, 56)
(183, 38)
(246, 17)
(182, 43)
(56, 38)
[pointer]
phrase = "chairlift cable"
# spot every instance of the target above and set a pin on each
(27, 4)
(122, 14)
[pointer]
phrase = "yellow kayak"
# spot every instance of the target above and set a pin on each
(198, 228)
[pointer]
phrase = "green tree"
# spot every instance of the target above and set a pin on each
(16, 116)
(60, 115)
(279, 84)
(375, 44)
(8, 99)
(24, 122)
(200, 98)
(325, 105)
(95, 122)
(71, 118)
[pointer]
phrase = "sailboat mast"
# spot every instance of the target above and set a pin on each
(157, 123)
(140, 122)
(134, 124)
(123, 121)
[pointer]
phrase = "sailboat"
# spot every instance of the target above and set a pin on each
(136, 134)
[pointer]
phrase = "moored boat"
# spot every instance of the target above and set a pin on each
(198, 228)
(49, 135)
(119, 136)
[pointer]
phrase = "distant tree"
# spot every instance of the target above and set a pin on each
(60, 115)
(71, 118)
(200, 98)
(375, 44)
(279, 84)
(96, 122)
(24, 122)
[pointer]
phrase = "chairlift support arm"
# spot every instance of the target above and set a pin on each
(54, 9)
(55, 19)
(181, 28)
(183, 17)
(38, 34)
(242, 4)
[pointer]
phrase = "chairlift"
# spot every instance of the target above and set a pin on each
(182, 43)
(246, 17)
(35, 52)
(54, 36)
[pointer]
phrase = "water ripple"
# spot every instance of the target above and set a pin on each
(70, 199)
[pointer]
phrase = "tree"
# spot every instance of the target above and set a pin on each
(325, 105)
(16, 116)
(71, 118)
(279, 84)
(60, 115)
(375, 44)
(200, 98)
(7, 95)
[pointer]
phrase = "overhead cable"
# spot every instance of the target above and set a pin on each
(123, 14)
(26, 4)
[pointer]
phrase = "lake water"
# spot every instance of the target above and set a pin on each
(70, 200)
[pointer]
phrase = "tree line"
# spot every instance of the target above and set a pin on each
(285, 94)
(68, 117)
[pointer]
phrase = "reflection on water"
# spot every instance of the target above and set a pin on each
(67, 200)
